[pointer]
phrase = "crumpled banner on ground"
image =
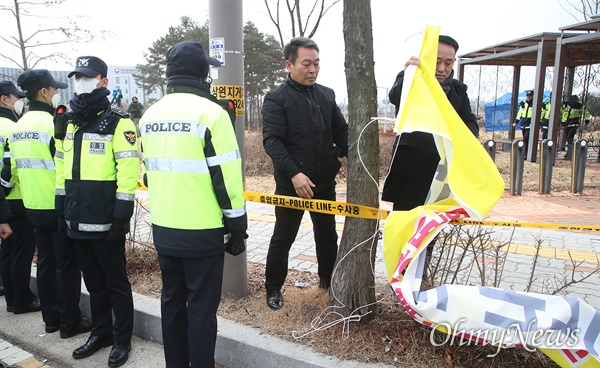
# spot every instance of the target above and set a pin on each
(467, 185)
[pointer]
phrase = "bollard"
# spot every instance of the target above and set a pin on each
(578, 165)
(490, 147)
(546, 165)
(516, 167)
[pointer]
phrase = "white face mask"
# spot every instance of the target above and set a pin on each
(18, 106)
(84, 85)
(56, 100)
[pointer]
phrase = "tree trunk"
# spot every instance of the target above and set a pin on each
(353, 282)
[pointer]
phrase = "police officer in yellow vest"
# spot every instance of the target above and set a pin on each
(95, 187)
(524, 119)
(33, 148)
(571, 120)
(16, 252)
(194, 177)
(545, 117)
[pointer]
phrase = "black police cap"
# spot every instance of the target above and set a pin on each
(189, 58)
(90, 66)
(36, 79)
(9, 88)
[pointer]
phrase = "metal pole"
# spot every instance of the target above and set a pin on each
(516, 167)
(578, 165)
(490, 147)
(546, 165)
(226, 33)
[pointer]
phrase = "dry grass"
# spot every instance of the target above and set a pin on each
(392, 336)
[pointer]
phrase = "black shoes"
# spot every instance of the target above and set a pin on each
(51, 327)
(84, 325)
(119, 354)
(274, 299)
(92, 345)
(34, 306)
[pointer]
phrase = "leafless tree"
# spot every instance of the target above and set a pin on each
(40, 42)
(300, 24)
(581, 8)
(353, 284)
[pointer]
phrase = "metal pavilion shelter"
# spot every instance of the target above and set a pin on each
(574, 46)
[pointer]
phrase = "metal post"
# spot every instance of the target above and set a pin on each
(227, 45)
(490, 147)
(516, 167)
(546, 165)
(578, 165)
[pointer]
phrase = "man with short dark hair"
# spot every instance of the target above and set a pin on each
(415, 157)
(305, 134)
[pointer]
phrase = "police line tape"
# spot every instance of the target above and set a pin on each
(367, 212)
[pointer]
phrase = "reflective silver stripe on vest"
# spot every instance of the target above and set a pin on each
(31, 135)
(34, 163)
(126, 154)
(97, 137)
(125, 196)
(60, 192)
(234, 213)
(177, 165)
(69, 136)
(92, 228)
(59, 154)
(6, 184)
(8, 154)
(221, 159)
(2, 140)
(173, 127)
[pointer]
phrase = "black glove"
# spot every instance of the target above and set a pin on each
(62, 227)
(235, 246)
(117, 232)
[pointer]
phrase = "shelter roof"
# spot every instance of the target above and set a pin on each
(583, 48)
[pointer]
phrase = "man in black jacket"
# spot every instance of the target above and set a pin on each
(415, 157)
(305, 133)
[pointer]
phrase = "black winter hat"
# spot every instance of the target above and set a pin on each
(189, 58)
(36, 79)
(90, 66)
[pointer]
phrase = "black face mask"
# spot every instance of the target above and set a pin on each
(87, 106)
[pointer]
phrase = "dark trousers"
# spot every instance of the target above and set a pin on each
(570, 132)
(58, 278)
(525, 132)
(287, 223)
(16, 254)
(190, 298)
(105, 275)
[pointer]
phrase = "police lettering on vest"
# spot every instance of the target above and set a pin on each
(25, 136)
(167, 127)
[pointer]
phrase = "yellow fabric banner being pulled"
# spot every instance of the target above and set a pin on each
(467, 185)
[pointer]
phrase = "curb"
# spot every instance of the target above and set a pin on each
(237, 345)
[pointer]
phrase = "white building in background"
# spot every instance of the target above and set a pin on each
(122, 76)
